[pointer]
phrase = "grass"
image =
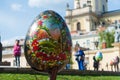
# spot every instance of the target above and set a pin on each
(9, 76)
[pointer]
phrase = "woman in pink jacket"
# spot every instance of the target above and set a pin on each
(17, 52)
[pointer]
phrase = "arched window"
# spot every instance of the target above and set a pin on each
(78, 26)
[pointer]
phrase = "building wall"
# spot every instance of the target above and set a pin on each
(82, 21)
(10, 58)
(86, 41)
(108, 55)
(78, 15)
(112, 17)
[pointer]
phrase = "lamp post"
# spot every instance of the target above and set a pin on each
(96, 44)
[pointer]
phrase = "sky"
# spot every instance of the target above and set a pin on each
(16, 16)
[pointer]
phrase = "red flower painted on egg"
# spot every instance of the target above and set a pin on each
(39, 54)
(40, 23)
(51, 57)
(36, 48)
(45, 16)
(45, 58)
(62, 56)
(35, 42)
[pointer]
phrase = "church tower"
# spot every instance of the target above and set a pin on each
(99, 6)
(76, 4)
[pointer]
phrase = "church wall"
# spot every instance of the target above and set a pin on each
(68, 12)
(84, 21)
(87, 23)
(85, 41)
(112, 18)
(75, 21)
(80, 11)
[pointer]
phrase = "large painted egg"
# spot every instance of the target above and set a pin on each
(99, 56)
(48, 42)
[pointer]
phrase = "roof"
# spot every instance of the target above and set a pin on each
(110, 13)
(113, 11)
(11, 42)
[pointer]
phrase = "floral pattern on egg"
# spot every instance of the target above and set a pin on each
(48, 42)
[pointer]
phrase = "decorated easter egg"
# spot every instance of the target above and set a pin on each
(48, 42)
(99, 56)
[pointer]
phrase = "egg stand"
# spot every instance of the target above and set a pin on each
(53, 73)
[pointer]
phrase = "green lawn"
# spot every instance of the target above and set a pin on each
(7, 76)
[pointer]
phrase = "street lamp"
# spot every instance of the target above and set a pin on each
(96, 44)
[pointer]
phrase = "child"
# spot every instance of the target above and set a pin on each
(17, 52)
(95, 64)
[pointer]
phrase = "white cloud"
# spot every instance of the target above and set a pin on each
(16, 7)
(43, 3)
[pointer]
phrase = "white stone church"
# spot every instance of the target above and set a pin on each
(84, 21)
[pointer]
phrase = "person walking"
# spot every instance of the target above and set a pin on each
(95, 64)
(116, 62)
(80, 56)
(17, 52)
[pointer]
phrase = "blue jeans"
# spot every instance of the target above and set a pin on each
(81, 65)
(17, 61)
(67, 66)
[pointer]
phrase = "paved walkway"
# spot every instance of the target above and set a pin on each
(15, 70)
